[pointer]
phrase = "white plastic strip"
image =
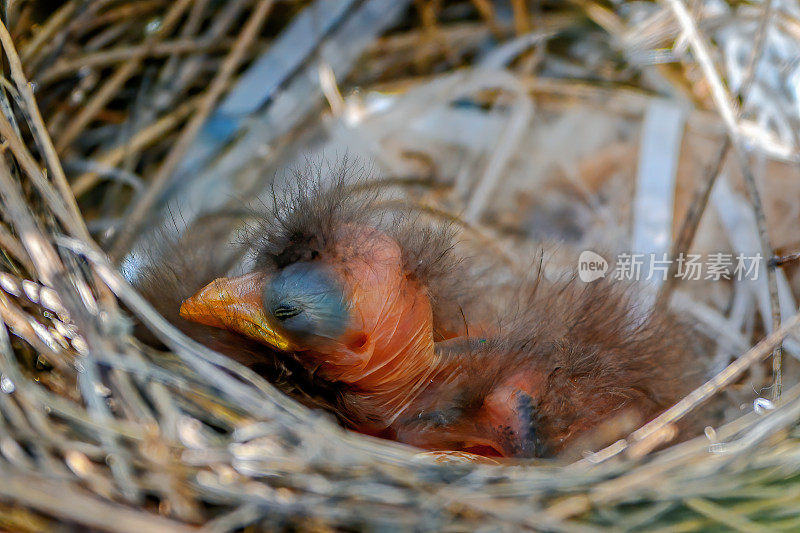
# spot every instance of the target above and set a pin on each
(662, 134)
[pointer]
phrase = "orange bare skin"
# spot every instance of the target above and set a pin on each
(385, 355)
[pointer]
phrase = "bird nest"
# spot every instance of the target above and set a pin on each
(521, 123)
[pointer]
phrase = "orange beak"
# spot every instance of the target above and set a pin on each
(235, 304)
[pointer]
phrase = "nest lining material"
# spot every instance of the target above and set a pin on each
(99, 430)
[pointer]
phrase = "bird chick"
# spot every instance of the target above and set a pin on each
(359, 299)
(350, 312)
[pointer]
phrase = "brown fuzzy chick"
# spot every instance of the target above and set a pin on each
(352, 301)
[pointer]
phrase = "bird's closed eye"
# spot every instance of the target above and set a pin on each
(308, 300)
(286, 311)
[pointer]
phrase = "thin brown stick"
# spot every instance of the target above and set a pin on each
(602, 16)
(84, 11)
(726, 109)
(522, 16)
(780, 260)
(38, 248)
(758, 49)
(118, 79)
(689, 226)
(700, 201)
(192, 128)
(487, 13)
(142, 139)
(31, 168)
(772, 282)
(72, 218)
(11, 245)
(119, 54)
(41, 133)
(772, 279)
(123, 11)
(182, 74)
(55, 22)
(107, 36)
(189, 30)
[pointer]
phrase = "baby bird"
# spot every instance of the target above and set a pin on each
(356, 296)
(378, 311)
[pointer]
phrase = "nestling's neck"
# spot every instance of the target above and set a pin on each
(397, 363)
